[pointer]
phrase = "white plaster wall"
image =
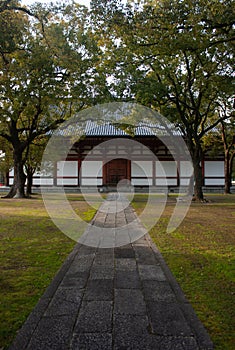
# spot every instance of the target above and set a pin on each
(47, 178)
(214, 182)
(141, 182)
(11, 179)
(163, 170)
(166, 182)
(141, 168)
(185, 182)
(214, 168)
(92, 170)
(92, 182)
(166, 168)
(186, 169)
(67, 168)
(49, 173)
(72, 182)
(43, 182)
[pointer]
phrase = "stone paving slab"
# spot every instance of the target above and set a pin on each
(115, 298)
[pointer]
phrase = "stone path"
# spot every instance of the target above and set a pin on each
(113, 299)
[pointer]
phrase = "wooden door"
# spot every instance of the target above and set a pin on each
(116, 170)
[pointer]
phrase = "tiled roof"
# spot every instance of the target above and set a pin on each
(108, 129)
(92, 128)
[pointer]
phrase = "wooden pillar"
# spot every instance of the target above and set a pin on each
(104, 182)
(79, 170)
(129, 169)
(55, 174)
(178, 173)
(154, 172)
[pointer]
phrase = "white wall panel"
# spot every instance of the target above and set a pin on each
(67, 168)
(90, 171)
(48, 173)
(166, 168)
(166, 182)
(92, 168)
(91, 182)
(11, 176)
(214, 182)
(42, 182)
(186, 169)
(214, 168)
(185, 182)
(36, 174)
(141, 182)
(62, 182)
(141, 168)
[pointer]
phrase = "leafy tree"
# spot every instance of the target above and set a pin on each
(13, 5)
(228, 138)
(222, 139)
(6, 160)
(178, 57)
(46, 64)
(27, 83)
(33, 161)
(189, 59)
(227, 132)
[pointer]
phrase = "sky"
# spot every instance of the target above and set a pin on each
(30, 2)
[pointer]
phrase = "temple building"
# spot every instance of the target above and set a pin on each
(107, 154)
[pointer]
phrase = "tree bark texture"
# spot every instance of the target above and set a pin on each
(29, 184)
(198, 193)
(17, 189)
(196, 155)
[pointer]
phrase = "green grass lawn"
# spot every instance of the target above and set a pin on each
(32, 249)
(201, 255)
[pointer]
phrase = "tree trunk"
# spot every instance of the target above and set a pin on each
(5, 179)
(227, 173)
(196, 155)
(17, 189)
(190, 190)
(29, 184)
(11, 193)
(198, 193)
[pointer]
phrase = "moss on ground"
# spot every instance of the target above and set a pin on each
(32, 249)
(201, 255)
